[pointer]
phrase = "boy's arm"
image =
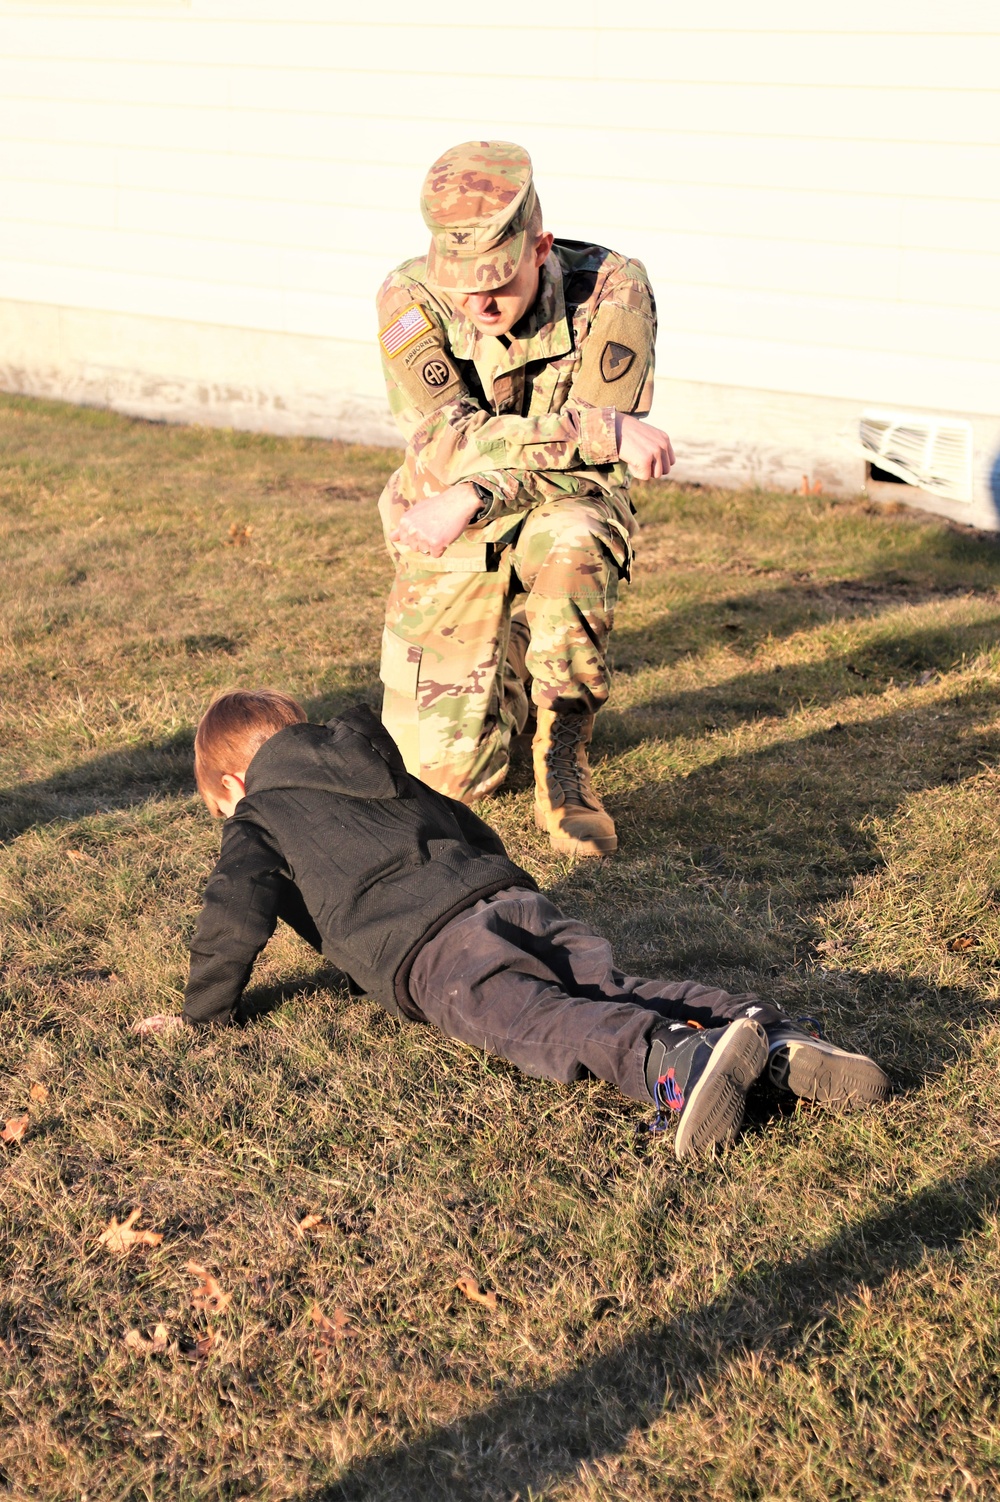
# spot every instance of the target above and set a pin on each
(243, 899)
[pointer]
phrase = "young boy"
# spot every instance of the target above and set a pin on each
(415, 898)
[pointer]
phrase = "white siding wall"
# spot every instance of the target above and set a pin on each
(198, 202)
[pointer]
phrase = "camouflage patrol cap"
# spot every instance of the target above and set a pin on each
(477, 202)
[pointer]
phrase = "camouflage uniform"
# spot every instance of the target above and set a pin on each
(531, 420)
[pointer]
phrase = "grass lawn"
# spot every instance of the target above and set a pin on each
(801, 756)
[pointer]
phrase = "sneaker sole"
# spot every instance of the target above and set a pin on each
(567, 845)
(828, 1076)
(714, 1110)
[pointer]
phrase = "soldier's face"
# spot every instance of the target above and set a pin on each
(496, 312)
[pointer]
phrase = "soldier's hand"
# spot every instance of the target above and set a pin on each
(646, 450)
(435, 522)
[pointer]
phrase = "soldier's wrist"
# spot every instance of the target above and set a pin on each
(486, 501)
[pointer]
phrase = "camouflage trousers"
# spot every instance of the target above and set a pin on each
(451, 701)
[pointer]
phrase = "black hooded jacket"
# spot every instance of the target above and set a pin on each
(363, 860)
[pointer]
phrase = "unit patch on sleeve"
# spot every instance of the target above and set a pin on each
(616, 360)
(404, 330)
(426, 373)
(437, 373)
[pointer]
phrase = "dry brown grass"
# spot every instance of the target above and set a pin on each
(801, 755)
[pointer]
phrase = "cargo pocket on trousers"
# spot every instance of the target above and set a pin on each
(400, 666)
(619, 545)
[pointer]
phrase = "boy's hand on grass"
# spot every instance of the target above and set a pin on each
(162, 1022)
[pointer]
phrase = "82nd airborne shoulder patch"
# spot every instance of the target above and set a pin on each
(405, 329)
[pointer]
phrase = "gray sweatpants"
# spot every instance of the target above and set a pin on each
(516, 977)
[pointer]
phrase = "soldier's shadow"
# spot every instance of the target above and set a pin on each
(779, 1312)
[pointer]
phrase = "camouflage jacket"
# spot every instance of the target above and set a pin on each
(530, 417)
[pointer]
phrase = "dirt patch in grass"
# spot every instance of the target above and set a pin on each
(800, 753)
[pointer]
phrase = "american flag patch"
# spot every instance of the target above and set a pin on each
(402, 331)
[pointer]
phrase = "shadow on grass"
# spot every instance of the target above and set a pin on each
(743, 619)
(259, 1001)
(104, 784)
(786, 1312)
(864, 671)
(125, 779)
(806, 801)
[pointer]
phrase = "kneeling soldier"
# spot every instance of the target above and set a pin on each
(517, 367)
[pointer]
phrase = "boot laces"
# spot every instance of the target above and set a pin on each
(562, 757)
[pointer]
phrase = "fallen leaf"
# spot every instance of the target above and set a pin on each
(962, 943)
(39, 1092)
(468, 1284)
(122, 1238)
(76, 855)
(143, 1347)
(332, 1330)
(239, 537)
(311, 1223)
(200, 1349)
(15, 1129)
(208, 1298)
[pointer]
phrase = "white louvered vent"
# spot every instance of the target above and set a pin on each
(932, 452)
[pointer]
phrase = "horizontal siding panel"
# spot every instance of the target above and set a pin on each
(258, 278)
(192, 244)
(892, 54)
(971, 172)
(862, 16)
(861, 269)
(232, 221)
(750, 161)
(842, 166)
(921, 332)
(281, 310)
(272, 179)
(817, 196)
(220, 263)
(726, 210)
(726, 358)
(876, 378)
(897, 114)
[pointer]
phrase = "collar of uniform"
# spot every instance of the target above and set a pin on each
(546, 329)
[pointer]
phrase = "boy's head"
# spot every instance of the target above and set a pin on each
(231, 732)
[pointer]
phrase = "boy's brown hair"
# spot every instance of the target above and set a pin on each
(232, 731)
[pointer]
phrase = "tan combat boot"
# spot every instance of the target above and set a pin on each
(565, 802)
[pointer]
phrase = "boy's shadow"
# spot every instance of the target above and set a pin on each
(103, 784)
(129, 778)
(259, 1001)
(784, 1312)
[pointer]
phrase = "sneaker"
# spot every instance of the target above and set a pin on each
(704, 1076)
(805, 1065)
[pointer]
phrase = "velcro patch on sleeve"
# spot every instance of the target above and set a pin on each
(617, 357)
(405, 329)
(427, 375)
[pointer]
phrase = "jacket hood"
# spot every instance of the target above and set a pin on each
(352, 755)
